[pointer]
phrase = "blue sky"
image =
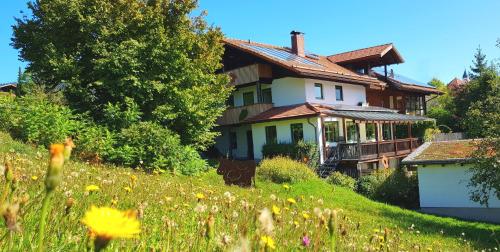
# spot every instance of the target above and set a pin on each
(436, 38)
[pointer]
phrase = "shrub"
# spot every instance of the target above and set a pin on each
(399, 188)
(153, 146)
(95, 142)
(284, 170)
(390, 186)
(337, 178)
(302, 151)
(35, 119)
(430, 133)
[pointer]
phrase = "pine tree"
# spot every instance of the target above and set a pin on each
(479, 64)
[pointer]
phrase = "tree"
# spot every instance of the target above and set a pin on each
(441, 107)
(482, 121)
(150, 56)
(479, 63)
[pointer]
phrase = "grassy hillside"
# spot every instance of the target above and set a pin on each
(173, 218)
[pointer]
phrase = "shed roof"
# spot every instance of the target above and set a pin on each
(445, 152)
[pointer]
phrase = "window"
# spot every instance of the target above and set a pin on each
(339, 94)
(318, 91)
(400, 131)
(233, 141)
(386, 131)
(248, 98)
(352, 132)
(271, 137)
(332, 131)
(230, 101)
(267, 95)
(370, 131)
(297, 132)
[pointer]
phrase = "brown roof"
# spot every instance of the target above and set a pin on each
(286, 112)
(456, 84)
(407, 85)
(371, 52)
(443, 152)
(308, 66)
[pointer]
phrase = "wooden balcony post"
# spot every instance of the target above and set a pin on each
(377, 138)
(394, 139)
(344, 129)
(358, 138)
(410, 136)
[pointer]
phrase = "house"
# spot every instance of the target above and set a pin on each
(443, 176)
(7, 87)
(457, 84)
(347, 103)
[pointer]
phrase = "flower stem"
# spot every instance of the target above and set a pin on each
(43, 220)
(5, 192)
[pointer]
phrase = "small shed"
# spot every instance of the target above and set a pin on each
(443, 176)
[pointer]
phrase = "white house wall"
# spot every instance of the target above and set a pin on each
(353, 94)
(446, 186)
(288, 91)
(238, 95)
(283, 132)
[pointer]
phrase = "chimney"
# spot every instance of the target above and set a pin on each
(298, 43)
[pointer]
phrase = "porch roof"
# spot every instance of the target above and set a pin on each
(377, 116)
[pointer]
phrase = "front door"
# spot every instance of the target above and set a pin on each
(249, 145)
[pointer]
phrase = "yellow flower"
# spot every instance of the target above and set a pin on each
(127, 189)
(276, 210)
(291, 201)
(200, 196)
(114, 202)
(34, 178)
(286, 186)
(109, 223)
(133, 178)
(92, 188)
(267, 241)
(305, 215)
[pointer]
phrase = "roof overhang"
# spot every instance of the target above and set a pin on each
(373, 56)
(376, 116)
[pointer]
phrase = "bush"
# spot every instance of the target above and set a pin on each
(395, 187)
(302, 151)
(95, 142)
(337, 178)
(400, 188)
(284, 170)
(153, 146)
(35, 119)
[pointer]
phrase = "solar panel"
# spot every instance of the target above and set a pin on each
(401, 78)
(281, 55)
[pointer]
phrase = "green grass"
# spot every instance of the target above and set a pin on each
(164, 198)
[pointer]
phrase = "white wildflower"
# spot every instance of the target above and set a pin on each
(266, 221)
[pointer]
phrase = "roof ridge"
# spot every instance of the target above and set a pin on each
(248, 41)
(386, 44)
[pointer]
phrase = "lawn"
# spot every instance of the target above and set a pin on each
(173, 218)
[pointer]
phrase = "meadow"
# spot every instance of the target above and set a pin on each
(201, 213)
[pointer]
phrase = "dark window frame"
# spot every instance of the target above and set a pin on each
(263, 92)
(332, 135)
(268, 131)
(320, 86)
(245, 94)
(297, 136)
(233, 140)
(341, 89)
(372, 133)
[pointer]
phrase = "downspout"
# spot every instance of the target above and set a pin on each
(315, 130)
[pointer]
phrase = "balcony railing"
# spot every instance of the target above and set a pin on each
(237, 115)
(372, 150)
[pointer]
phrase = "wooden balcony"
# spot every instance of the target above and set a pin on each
(371, 150)
(236, 115)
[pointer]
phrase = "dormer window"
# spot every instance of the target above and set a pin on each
(318, 91)
(339, 93)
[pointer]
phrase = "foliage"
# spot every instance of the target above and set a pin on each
(284, 170)
(399, 188)
(337, 178)
(485, 180)
(441, 107)
(306, 152)
(25, 84)
(36, 119)
(95, 142)
(369, 184)
(151, 59)
(153, 146)
(430, 133)
(480, 64)
(393, 186)
(419, 128)
(173, 218)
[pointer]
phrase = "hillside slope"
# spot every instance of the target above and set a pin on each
(173, 217)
